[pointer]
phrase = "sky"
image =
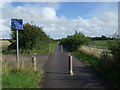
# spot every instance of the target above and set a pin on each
(60, 19)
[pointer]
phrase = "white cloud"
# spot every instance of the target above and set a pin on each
(48, 14)
(58, 27)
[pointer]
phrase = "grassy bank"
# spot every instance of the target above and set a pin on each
(106, 69)
(21, 78)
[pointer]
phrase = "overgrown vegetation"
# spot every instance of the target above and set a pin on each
(74, 41)
(14, 77)
(31, 39)
(114, 46)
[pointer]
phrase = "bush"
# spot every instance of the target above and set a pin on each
(31, 37)
(73, 42)
(114, 46)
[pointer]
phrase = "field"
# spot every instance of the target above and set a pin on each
(4, 44)
(101, 44)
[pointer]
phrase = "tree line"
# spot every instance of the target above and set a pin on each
(102, 38)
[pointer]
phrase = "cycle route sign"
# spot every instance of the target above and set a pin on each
(17, 24)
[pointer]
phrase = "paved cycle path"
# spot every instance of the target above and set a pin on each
(56, 73)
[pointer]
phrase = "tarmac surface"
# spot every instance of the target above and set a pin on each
(56, 73)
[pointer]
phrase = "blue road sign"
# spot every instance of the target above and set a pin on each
(17, 24)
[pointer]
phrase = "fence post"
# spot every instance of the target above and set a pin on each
(70, 65)
(34, 62)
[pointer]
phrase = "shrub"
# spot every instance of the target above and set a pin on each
(73, 42)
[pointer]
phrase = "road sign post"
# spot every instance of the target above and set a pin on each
(17, 24)
(17, 51)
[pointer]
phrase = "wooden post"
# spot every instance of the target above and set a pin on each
(34, 62)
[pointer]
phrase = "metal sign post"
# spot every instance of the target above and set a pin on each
(17, 47)
(17, 24)
(119, 20)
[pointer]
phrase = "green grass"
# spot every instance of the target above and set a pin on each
(21, 78)
(102, 44)
(49, 48)
(107, 70)
(87, 59)
(3, 48)
(52, 47)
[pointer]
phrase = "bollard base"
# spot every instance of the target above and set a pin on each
(71, 72)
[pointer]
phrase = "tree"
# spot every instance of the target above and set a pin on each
(31, 37)
(103, 38)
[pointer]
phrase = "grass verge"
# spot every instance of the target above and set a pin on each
(103, 68)
(21, 78)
